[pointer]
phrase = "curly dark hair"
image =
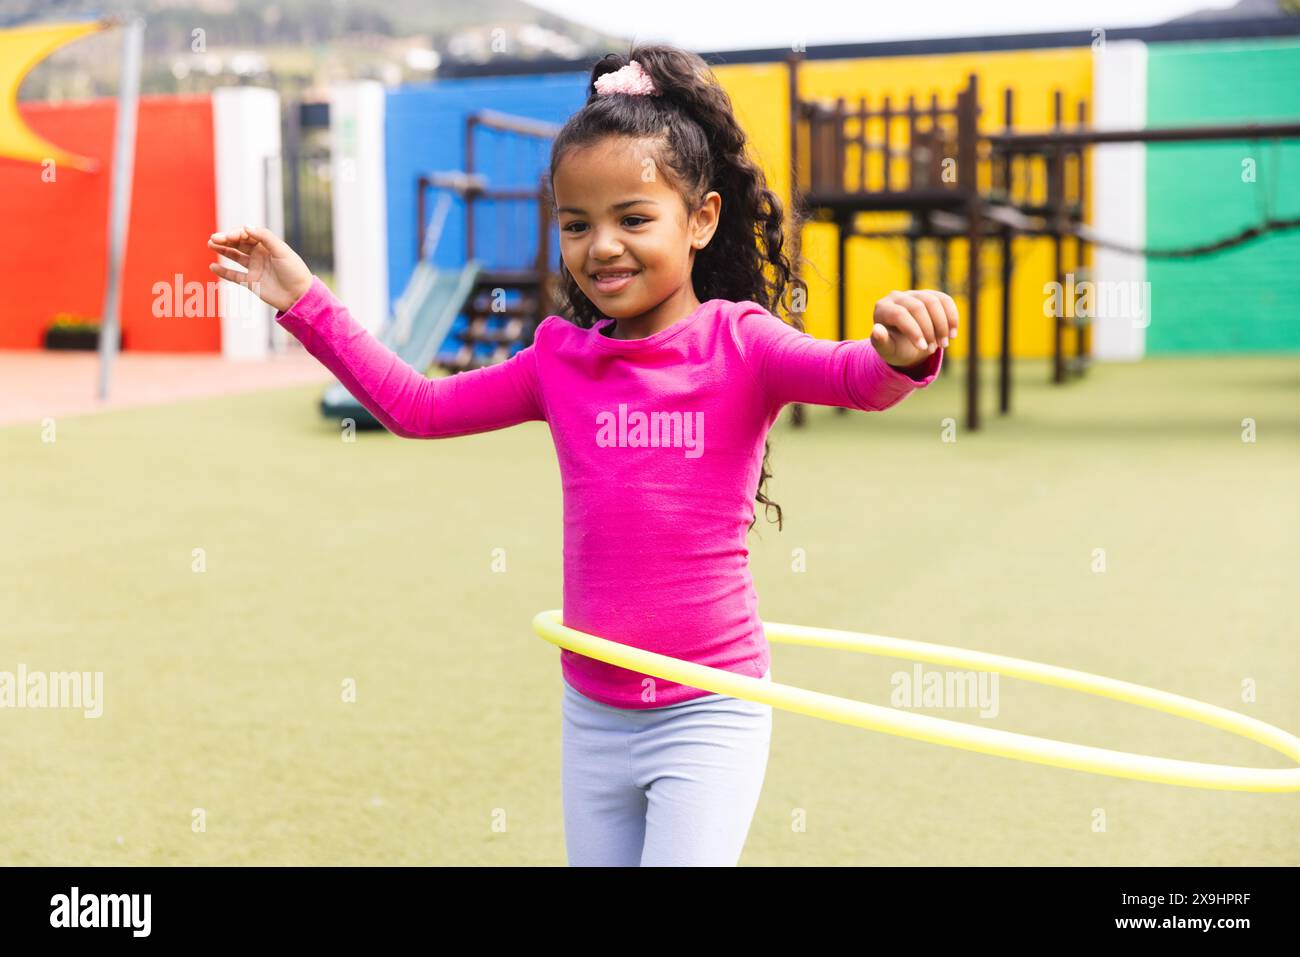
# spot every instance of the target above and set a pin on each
(693, 134)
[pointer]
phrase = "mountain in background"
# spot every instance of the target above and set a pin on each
(299, 46)
(1244, 10)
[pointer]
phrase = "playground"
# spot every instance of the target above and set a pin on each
(225, 689)
(314, 638)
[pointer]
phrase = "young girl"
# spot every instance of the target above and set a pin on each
(659, 389)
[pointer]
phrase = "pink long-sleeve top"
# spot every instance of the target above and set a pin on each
(660, 447)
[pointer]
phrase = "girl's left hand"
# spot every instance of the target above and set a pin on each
(909, 326)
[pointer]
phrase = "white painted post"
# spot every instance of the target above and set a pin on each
(1119, 96)
(359, 189)
(246, 121)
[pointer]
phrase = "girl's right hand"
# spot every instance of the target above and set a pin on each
(273, 272)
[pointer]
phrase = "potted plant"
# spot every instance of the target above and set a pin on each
(70, 331)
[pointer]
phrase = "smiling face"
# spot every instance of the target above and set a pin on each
(619, 216)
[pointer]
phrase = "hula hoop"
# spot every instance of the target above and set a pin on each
(1007, 744)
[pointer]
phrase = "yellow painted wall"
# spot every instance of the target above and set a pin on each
(760, 95)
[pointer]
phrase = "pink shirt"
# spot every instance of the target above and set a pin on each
(660, 447)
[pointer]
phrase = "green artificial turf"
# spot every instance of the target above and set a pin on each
(372, 562)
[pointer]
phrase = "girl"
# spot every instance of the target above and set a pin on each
(659, 389)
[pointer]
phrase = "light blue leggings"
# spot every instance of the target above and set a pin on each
(655, 787)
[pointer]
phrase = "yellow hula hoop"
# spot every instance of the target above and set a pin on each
(1007, 744)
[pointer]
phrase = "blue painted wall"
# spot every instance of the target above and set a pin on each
(425, 131)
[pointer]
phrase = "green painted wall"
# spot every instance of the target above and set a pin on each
(1246, 298)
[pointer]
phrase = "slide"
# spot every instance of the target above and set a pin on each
(422, 317)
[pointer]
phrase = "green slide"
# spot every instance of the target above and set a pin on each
(422, 317)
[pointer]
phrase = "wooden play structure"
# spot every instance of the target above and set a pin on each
(927, 161)
(944, 164)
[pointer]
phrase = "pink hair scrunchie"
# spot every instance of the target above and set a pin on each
(631, 79)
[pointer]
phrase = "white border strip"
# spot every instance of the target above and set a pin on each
(1119, 200)
(246, 123)
(359, 189)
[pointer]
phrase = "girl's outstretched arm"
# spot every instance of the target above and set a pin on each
(793, 366)
(402, 398)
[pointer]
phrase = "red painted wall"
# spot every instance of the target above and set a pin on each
(54, 235)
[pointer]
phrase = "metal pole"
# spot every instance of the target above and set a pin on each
(797, 207)
(841, 284)
(967, 171)
(1008, 237)
(293, 163)
(120, 199)
(1056, 201)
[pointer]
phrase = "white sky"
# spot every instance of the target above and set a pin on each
(743, 24)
